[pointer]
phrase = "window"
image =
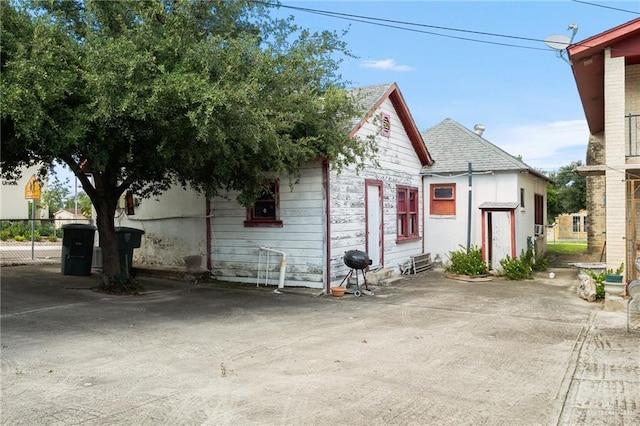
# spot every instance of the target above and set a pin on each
(538, 200)
(264, 211)
(584, 228)
(576, 223)
(522, 198)
(408, 208)
(385, 126)
(443, 199)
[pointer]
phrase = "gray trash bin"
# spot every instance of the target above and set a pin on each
(77, 248)
(128, 239)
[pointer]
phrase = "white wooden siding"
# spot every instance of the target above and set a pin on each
(235, 248)
(398, 165)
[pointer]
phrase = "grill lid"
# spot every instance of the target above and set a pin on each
(356, 259)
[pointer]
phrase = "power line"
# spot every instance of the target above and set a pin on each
(415, 30)
(396, 24)
(391, 23)
(605, 7)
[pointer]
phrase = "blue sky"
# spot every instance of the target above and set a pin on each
(526, 97)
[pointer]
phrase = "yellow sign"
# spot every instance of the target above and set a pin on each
(32, 189)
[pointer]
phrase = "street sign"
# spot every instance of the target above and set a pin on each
(32, 189)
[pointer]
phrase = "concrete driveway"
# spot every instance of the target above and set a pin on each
(425, 350)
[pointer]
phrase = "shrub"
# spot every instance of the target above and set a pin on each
(52, 238)
(19, 238)
(46, 230)
(467, 263)
(18, 229)
(517, 269)
(540, 264)
(4, 235)
(36, 235)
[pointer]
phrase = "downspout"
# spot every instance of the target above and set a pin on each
(327, 217)
(208, 232)
(283, 266)
(424, 215)
(469, 210)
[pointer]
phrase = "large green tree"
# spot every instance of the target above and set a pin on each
(568, 191)
(145, 94)
(56, 195)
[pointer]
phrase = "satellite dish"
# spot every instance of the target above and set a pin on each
(557, 42)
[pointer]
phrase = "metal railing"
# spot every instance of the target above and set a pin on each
(19, 245)
(633, 142)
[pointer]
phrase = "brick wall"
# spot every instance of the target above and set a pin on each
(614, 112)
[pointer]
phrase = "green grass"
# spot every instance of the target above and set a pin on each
(566, 247)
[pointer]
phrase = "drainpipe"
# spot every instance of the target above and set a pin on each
(283, 266)
(469, 210)
(327, 217)
(209, 232)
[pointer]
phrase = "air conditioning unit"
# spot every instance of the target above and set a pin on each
(538, 229)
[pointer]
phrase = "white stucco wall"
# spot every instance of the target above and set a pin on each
(525, 222)
(444, 234)
(174, 226)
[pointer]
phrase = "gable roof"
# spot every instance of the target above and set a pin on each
(370, 98)
(453, 147)
(587, 65)
(72, 211)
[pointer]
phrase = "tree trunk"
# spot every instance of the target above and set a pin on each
(108, 242)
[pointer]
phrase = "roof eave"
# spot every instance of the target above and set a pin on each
(393, 93)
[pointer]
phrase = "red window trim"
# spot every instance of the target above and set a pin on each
(253, 222)
(539, 205)
(407, 212)
(433, 210)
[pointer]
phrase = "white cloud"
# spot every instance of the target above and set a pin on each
(386, 64)
(546, 146)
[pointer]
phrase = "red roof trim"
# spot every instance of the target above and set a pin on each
(587, 65)
(600, 41)
(407, 121)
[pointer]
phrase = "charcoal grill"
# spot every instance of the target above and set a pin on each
(356, 260)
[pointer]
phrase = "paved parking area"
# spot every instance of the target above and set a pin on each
(425, 350)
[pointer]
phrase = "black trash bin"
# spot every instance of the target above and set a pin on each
(77, 248)
(128, 239)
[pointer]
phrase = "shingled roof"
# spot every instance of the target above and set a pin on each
(453, 147)
(370, 98)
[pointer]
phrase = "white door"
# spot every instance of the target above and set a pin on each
(500, 237)
(374, 224)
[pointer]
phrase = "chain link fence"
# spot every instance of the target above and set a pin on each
(24, 241)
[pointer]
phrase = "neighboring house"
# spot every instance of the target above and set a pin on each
(571, 226)
(72, 215)
(13, 204)
(606, 68)
(476, 194)
(314, 221)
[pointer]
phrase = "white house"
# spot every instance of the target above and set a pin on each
(72, 215)
(13, 204)
(308, 226)
(478, 195)
(606, 68)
